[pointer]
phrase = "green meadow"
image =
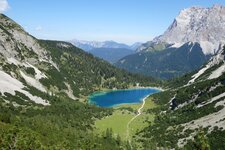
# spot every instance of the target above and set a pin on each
(122, 115)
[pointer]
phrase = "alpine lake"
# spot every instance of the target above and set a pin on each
(119, 97)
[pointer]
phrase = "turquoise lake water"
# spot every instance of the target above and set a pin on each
(117, 97)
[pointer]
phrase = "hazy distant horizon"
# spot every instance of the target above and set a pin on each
(126, 21)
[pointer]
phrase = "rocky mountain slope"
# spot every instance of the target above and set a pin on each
(20, 53)
(203, 26)
(191, 113)
(196, 24)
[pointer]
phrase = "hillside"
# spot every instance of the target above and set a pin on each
(165, 64)
(43, 91)
(111, 55)
(191, 114)
(87, 72)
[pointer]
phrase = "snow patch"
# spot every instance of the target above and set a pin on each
(146, 59)
(10, 85)
(218, 72)
(191, 47)
(12, 60)
(212, 100)
(63, 45)
(38, 74)
(36, 99)
(213, 61)
(187, 102)
(200, 72)
(33, 82)
(212, 88)
(69, 92)
(122, 61)
(177, 45)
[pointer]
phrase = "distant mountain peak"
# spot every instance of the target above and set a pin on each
(218, 6)
(197, 24)
(89, 45)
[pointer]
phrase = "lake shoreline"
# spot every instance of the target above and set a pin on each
(130, 88)
(97, 94)
(149, 87)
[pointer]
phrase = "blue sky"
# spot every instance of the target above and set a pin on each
(125, 21)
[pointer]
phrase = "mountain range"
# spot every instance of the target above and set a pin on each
(111, 55)
(108, 50)
(44, 88)
(89, 45)
(167, 63)
(203, 26)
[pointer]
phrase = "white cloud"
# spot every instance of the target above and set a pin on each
(38, 28)
(4, 5)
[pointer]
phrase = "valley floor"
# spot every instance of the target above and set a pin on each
(127, 119)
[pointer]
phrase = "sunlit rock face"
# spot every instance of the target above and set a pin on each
(203, 25)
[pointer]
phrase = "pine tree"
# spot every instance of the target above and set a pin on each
(201, 141)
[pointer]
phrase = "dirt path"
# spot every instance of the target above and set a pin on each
(132, 119)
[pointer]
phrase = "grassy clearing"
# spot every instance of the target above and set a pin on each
(118, 122)
(133, 106)
(121, 116)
